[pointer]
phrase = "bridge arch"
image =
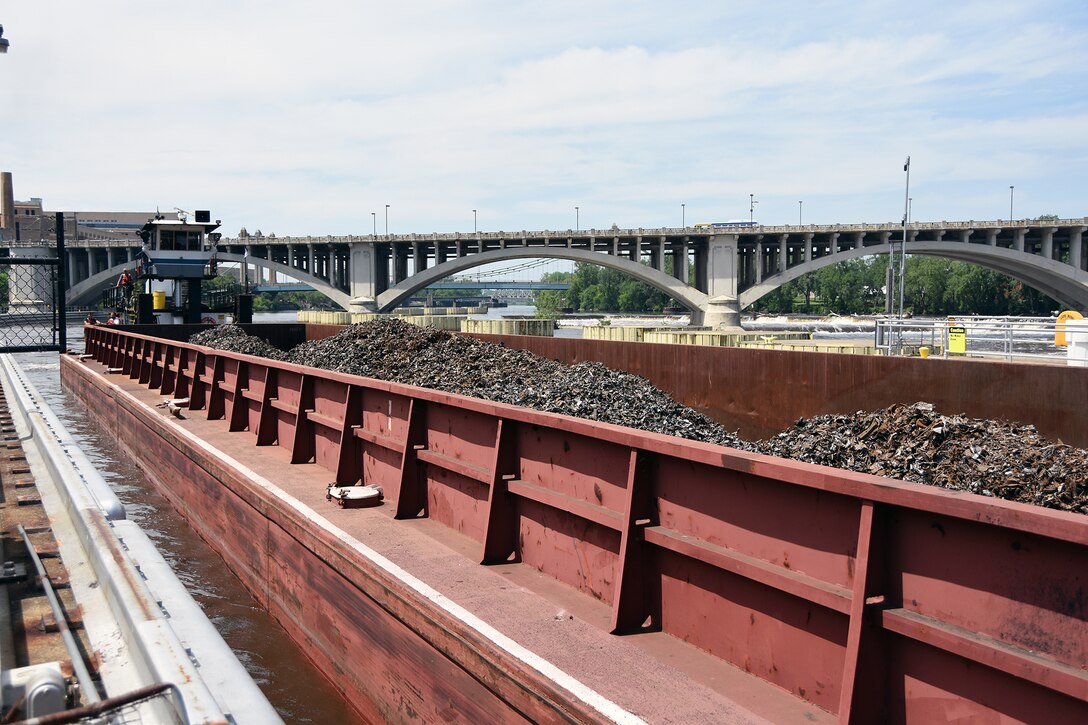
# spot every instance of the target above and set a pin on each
(690, 297)
(1056, 279)
(320, 285)
(90, 290)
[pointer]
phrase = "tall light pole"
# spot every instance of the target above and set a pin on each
(903, 248)
(683, 217)
(387, 220)
(752, 207)
(910, 202)
(799, 208)
(577, 220)
(1010, 204)
(474, 230)
(374, 218)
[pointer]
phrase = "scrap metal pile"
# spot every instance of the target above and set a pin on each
(916, 443)
(906, 442)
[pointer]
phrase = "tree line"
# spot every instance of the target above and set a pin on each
(934, 286)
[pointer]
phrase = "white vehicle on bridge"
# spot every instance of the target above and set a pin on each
(732, 223)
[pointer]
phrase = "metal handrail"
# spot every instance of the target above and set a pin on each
(889, 334)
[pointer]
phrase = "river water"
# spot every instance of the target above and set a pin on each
(295, 688)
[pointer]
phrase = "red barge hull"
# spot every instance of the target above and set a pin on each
(863, 598)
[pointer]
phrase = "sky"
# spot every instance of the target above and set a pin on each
(309, 118)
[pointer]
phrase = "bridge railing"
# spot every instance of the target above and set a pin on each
(891, 226)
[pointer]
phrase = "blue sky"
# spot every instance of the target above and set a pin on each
(301, 118)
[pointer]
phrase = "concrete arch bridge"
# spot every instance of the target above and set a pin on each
(733, 266)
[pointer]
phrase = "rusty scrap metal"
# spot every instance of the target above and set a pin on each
(907, 442)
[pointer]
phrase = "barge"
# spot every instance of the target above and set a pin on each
(530, 566)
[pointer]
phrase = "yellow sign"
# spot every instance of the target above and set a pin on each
(957, 340)
(1059, 334)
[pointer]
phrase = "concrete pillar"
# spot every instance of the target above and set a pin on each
(636, 249)
(70, 260)
(1019, 235)
(460, 249)
(419, 257)
(701, 268)
(29, 292)
(759, 262)
(991, 236)
(291, 256)
(363, 277)
(1076, 251)
(723, 309)
(310, 258)
(783, 253)
(659, 246)
(965, 235)
(680, 263)
(439, 252)
(400, 263)
(1048, 242)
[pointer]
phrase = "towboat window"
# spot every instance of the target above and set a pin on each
(170, 240)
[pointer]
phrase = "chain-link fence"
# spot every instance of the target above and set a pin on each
(32, 312)
(32, 288)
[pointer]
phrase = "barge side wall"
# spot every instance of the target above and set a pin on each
(763, 392)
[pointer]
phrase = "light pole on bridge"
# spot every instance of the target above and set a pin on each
(374, 218)
(1010, 204)
(752, 207)
(799, 207)
(577, 219)
(387, 220)
(474, 228)
(683, 217)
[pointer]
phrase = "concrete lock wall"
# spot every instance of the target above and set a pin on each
(31, 287)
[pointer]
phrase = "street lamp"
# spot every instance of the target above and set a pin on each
(752, 207)
(683, 217)
(799, 203)
(903, 249)
(1010, 204)
(374, 218)
(474, 230)
(387, 220)
(577, 220)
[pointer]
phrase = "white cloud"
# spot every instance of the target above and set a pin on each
(303, 118)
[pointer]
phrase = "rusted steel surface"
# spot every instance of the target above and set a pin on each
(865, 596)
(762, 392)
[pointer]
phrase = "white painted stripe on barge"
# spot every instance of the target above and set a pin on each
(583, 692)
